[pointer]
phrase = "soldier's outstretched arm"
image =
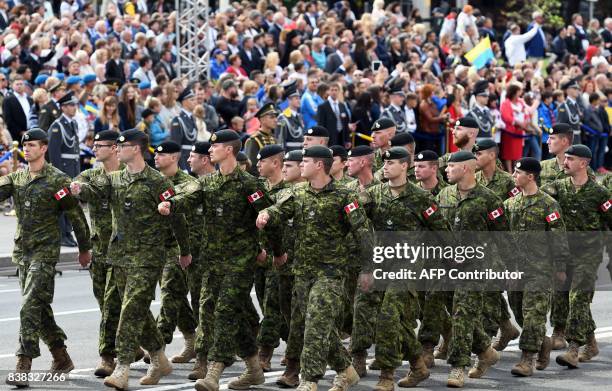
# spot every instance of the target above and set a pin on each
(86, 193)
(6, 187)
(166, 193)
(190, 196)
(70, 205)
(558, 244)
(362, 229)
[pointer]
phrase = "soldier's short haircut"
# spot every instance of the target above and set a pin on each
(406, 159)
(327, 163)
(236, 146)
(143, 143)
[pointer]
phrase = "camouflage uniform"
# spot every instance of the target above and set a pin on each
(378, 160)
(586, 209)
(550, 171)
(436, 190)
(527, 214)
(396, 321)
(38, 203)
(607, 183)
(410, 176)
(322, 219)
(99, 269)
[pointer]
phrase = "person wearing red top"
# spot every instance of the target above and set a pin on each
(513, 114)
(455, 112)
(235, 67)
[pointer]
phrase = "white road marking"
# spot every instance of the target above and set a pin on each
(10, 290)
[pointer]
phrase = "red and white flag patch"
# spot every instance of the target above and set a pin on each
(429, 211)
(351, 207)
(255, 196)
(61, 194)
(514, 192)
(166, 195)
(496, 213)
(553, 217)
(606, 206)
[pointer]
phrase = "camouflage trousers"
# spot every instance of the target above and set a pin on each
(175, 308)
(468, 335)
(324, 297)
(436, 320)
(260, 284)
(395, 325)
(580, 321)
(559, 306)
(36, 321)
(295, 339)
(273, 326)
(365, 315)
(530, 308)
(110, 305)
(495, 311)
(350, 285)
(137, 327)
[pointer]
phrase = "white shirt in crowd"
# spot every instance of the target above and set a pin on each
(515, 45)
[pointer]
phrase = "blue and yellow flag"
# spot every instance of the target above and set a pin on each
(481, 53)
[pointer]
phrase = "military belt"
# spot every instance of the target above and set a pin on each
(70, 156)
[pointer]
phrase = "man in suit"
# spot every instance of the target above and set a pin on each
(536, 47)
(251, 60)
(277, 26)
(335, 60)
(114, 66)
(165, 65)
(183, 129)
(334, 116)
(16, 108)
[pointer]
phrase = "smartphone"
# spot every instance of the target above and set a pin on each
(376, 65)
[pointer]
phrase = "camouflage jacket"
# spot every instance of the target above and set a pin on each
(322, 220)
(550, 171)
(39, 202)
(179, 181)
(607, 182)
(378, 160)
(289, 235)
(139, 231)
(437, 188)
(410, 176)
(274, 192)
(230, 204)
(501, 183)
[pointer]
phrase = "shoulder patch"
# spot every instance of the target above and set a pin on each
(494, 215)
(351, 207)
(430, 211)
(553, 217)
(606, 206)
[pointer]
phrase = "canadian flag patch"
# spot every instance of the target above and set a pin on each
(606, 206)
(255, 196)
(514, 192)
(553, 216)
(496, 213)
(166, 195)
(61, 194)
(429, 211)
(351, 207)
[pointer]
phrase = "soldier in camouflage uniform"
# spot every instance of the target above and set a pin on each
(607, 183)
(230, 199)
(465, 132)
(469, 206)
(338, 170)
(383, 131)
(175, 309)
(40, 194)
(137, 259)
(105, 148)
(398, 205)
(317, 135)
(587, 207)
(426, 172)
(404, 140)
(531, 211)
(323, 256)
(496, 314)
(264, 136)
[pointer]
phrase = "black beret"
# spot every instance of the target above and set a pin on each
(269, 150)
(426, 156)
(266, 109)
(107, 135)
(467, 122)
(317, 131)
(573, 83)
(338, 150)
(224, 136)
(34, 134)
(132, 135)
(186, 94)
(201, 147)
(395, 153)
(242, 157)
(318, 151)
(361, 150)
(68, 99)
(401, 139)
(481, 88)
(168, 147)
(484, 144)
(382, 124)
(560, 128)
(579, 150)
(294, 156)
(461, 156)
(529, 164)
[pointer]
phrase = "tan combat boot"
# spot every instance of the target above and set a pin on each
(291, 377)
(188, 353)
(160, 366)
(359, 363)
(199, 369)
(428, 355)
(590, 350)
(418, 373)
(62, 363)
(455, 378)
(307, 386)
(252, 375)
(139, 354)
(119, 378)
(265, 358)
(486, 359)
(507, 332)
(525, 366)
(558, 339)
(106, 366)
(569, 358)
(345, 379)
(544, 354)
(385, 380)
(22, 369)
(211, 381)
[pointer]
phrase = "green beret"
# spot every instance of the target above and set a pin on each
(34, 134)
(201, 147)
(560, 128)
(293, 156)
(401, 139)
(338, 150)
(318, 151)
(461, 156)
(579, 150)
(382, 124)
(107, 135)
(484, 144)
(224, 136)
(361, 150)
(529, 164)
(168, 147)
(426, 156)
(132, 135)
(242, 157)
(269, 150)
(395, 153)
(318, 131)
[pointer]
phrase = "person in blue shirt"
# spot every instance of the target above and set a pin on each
(547, 112)
(218, 65)
(310, 101)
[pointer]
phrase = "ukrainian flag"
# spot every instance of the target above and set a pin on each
(481, 53)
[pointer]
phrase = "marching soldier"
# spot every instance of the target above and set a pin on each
(559, 140)
(426, 172)
(199, 159)
(404, 140)
(264, 136)
(51, 110)
(317, 135)
(383, 131)
(465, 132)
(570, 111)
(480, 112)
(396, 111)
(338, 170)
(183, 130)
(290, 131)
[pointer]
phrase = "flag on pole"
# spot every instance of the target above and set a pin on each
(481, 53)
